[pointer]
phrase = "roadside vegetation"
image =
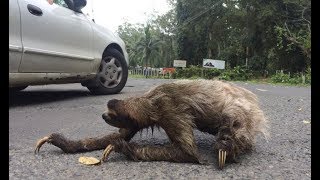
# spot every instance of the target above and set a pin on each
(259, 40)
(236, 74)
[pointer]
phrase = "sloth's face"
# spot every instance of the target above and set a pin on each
(116, 115)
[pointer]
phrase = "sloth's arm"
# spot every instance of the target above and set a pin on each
(88, 144)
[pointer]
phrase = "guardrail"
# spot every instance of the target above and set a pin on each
(164, 72)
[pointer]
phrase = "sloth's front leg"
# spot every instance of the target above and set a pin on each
(84, 145)
(172, 153)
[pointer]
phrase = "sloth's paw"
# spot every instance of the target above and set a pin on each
(222, 158)
(107, 152)
(41, 142)
(55, 139)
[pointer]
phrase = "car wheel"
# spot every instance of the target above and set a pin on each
(112, 74)
(16, 89)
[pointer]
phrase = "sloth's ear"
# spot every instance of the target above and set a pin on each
(112, 103)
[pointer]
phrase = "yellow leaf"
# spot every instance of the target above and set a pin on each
(89, 160)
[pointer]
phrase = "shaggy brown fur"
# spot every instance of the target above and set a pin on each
(229, 112)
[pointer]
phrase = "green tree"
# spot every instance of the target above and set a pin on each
(132, 35)
(272, 34)
(264, 35)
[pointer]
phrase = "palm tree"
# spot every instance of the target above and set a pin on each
(150, 47)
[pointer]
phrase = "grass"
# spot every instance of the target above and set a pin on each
(269, 81)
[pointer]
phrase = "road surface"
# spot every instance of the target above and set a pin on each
(70, 109)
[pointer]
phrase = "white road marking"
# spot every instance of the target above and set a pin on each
(261, 89)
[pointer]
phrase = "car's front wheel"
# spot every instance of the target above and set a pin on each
(112, 74)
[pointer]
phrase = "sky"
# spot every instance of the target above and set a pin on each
(112, 13)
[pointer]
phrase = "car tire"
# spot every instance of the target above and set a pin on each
(112, 74)
(16, 89)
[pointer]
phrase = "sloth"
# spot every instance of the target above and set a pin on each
(225, 110)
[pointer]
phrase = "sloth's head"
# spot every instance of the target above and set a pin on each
(117, 115)
(133, 112)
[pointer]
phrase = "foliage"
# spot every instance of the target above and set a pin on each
(308, 75)
(290, 79)
(197, 72)
(132, 35)
(264, 35)
(238, 73)
(272, 34)
(152, 44)
(280, 78)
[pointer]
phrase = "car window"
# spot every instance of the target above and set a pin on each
(60, 3)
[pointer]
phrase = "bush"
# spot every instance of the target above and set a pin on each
(238, 73)
(188, 72)
(308, 76)
(211, 73)
(293, 79)
(195, 72)
(280, 78)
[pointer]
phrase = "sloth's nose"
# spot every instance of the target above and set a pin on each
(105, 116)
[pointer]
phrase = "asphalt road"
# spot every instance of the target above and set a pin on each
(70, 109)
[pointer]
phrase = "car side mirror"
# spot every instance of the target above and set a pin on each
(76, 5)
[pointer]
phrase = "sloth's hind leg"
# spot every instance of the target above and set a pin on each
(181, 149)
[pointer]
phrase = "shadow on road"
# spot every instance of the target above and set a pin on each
(24, 98)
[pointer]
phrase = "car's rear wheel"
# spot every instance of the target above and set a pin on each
(112, 74)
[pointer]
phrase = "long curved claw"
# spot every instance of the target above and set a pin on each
(107, 152)
(40, 143)
(222, 158)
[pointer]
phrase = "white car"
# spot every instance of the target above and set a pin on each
(57, 44)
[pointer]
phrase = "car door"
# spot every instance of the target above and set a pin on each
(15, 45)
(54, 38)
